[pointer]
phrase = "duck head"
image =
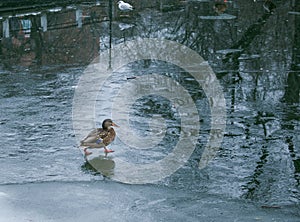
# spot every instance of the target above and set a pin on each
(108, 123)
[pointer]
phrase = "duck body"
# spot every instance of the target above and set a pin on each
(100, 137)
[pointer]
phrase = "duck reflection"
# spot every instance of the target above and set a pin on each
(103, 164)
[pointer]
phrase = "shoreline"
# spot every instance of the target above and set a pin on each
(110, 201)
(20, 5)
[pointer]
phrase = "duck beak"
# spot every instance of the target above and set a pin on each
(113, 124)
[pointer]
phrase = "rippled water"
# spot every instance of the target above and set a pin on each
(254, 61)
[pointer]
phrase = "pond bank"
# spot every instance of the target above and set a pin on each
(109, 201)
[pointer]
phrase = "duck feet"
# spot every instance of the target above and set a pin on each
(86, 152)
(108, 151)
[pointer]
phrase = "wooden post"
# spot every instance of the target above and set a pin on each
(110, 13)
(44, 23)
(79, 18)
(6, 28)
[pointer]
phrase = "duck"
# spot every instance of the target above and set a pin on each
(100, 137)
(123, 6)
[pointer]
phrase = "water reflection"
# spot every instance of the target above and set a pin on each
(103, 164)
(50, 37)
(256, 62)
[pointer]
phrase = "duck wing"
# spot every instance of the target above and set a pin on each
(107, 135)
(91, 137)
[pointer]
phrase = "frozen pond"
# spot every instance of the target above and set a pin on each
(251, 47)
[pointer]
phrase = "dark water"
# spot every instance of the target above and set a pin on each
(254, 53)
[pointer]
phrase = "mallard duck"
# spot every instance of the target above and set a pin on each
(100, 137)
